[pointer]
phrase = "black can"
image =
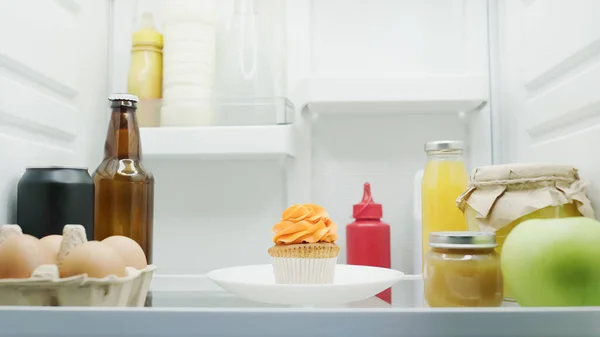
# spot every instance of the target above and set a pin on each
(50, 197)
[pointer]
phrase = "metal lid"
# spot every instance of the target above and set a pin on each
(441, 145)
(462, 240)
(123, 97)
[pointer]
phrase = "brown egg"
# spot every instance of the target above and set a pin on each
(52, 243)
(93, 258)
(130, 251)
(21, 254)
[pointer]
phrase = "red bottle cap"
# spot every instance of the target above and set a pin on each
(367, 208)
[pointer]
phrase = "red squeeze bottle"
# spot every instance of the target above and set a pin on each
(368, 239)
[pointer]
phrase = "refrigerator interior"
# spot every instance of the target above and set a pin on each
(367, 96)
(371, 81)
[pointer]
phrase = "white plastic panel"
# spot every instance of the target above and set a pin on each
(552, 48)
(228, 142)
(412, 95)
(397, 38)
(214, 214)
(53, 87)
(549, 75)
(387, 55)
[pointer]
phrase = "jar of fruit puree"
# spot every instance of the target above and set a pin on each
(500, 197)
(462, 269)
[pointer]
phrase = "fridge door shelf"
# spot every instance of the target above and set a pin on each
(418, 95)
(219, 142)
(249, 111)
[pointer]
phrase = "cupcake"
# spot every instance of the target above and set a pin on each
(305, 251)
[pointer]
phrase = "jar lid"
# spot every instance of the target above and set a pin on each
(464, 240)
(508, 174)
(123, 97)
(441, 145)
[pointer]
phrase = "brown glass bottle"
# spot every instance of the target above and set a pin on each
(124, 199)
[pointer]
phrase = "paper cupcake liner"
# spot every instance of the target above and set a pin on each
(305, 250)
(304, 270)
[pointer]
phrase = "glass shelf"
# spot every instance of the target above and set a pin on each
(461, 95)
(405, 294)
(256, 111)
(237, 129)
(221, 142)
(180, 313)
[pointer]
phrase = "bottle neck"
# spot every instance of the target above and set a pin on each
(445, 155)
(367, 219)
(123, 137)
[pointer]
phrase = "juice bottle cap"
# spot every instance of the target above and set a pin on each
(367, 208)
(441, 145)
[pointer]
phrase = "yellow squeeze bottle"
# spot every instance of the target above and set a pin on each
(145, 71)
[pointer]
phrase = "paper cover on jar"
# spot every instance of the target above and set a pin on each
(500, 194)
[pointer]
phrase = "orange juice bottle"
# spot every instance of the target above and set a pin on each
(444, 179)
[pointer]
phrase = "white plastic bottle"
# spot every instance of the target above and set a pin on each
(189, 63)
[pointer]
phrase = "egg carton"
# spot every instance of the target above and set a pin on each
(46, 288)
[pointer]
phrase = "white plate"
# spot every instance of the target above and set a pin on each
(351, 284)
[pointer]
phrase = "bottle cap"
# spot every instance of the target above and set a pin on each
(367, 208)
(123, 97)
(147, 35)
(147, 21)
(441, 145)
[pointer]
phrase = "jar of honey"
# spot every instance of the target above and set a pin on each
(500, 197)
(462, 269)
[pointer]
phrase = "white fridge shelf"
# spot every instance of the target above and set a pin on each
(219, 142)
(420, 95)
(270, 322)
(213, 313)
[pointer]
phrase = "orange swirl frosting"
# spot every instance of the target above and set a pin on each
(304, 223)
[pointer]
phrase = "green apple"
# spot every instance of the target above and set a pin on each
(553, 262)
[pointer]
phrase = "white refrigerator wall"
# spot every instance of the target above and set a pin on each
(218, 213)
(546, 88)
(53, 88)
